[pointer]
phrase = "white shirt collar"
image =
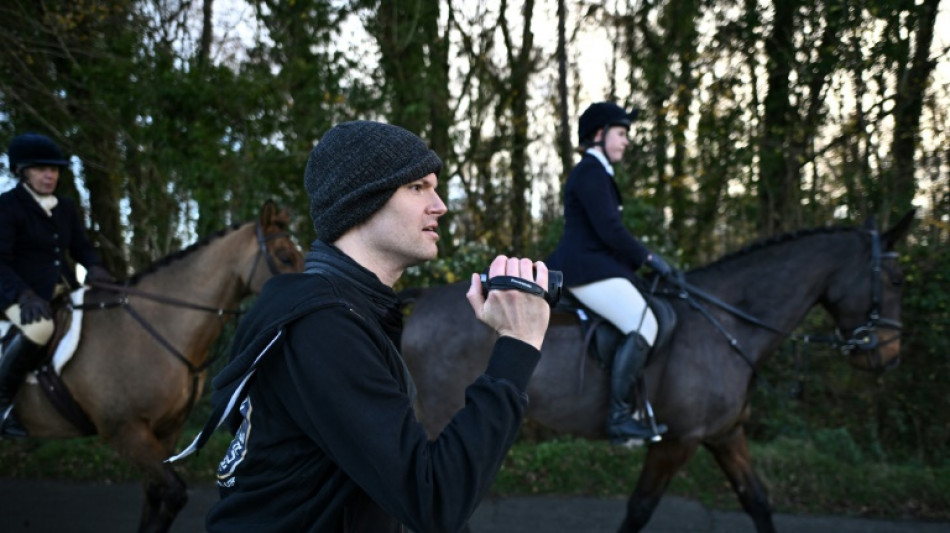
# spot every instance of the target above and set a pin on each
(603, 160)
(46, 201)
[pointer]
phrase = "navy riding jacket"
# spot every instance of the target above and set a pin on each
(34, 245)
(595, 245)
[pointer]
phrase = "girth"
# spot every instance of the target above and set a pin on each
(51, 383)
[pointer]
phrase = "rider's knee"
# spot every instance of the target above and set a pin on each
(39, 331)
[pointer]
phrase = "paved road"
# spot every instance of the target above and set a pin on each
(30, 506)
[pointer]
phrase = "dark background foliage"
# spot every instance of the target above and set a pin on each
(757, 118)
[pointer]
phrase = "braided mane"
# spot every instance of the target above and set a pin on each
(775, 240)
(175, 256)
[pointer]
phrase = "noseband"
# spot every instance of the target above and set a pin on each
(864, 338)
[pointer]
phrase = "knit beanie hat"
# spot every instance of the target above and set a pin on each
(355, 169)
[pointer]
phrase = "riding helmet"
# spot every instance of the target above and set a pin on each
(602, 115)
(34, 149)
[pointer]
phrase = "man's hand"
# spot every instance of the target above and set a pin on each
(33, 308)
(512, 312)
(100, 274)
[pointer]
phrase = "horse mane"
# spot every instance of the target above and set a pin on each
(175, 256)
(775, 240)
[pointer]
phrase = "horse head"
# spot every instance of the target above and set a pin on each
(275, 248)
(865, 300)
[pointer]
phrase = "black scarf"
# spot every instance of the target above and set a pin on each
(329, 259)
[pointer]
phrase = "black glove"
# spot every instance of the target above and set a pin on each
(100, 274)
(33, 308)
(657, 263)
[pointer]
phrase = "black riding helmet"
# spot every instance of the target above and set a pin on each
(602, 115)
(31, 150)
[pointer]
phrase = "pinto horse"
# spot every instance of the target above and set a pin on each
(140, 365)
(731, 314)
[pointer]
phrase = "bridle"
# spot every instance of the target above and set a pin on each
(262, 241)
(864, 338)
(124, 291)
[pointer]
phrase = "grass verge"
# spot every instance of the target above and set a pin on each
(804, 476)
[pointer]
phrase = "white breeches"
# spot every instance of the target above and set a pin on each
(618, 301)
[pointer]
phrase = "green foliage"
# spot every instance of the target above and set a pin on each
(467, 258)
(899, 415)
(568, 466)
(821, 474)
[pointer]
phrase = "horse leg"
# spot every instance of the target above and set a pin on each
(165, 492)
(662, 461)
(164, 500)
(732, 453)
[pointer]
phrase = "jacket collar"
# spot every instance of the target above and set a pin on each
(602, 158)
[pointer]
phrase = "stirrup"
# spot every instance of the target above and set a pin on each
(658, 429)
(633, 432)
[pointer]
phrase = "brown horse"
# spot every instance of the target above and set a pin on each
(139, 367)
(731, 315)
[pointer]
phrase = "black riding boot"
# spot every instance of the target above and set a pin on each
(20, 355)
(621, 426)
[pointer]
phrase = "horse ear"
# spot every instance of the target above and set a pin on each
(894, 235)
(268, 212)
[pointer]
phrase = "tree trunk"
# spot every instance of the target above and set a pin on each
(778, 178)
(909, 99)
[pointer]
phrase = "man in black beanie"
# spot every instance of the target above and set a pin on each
(326, 438)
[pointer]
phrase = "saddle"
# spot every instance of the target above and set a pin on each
(602, 339)
(67, 321)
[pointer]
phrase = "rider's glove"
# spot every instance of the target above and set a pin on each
(657, 263)
(100, 274)
(33, 308)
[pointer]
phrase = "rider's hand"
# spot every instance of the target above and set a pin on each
(33, 308)
(658, 265)
(513, 313)
(100, 274)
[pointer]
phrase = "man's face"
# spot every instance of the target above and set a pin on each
(404, 231)
(42, 179)
(615, 143)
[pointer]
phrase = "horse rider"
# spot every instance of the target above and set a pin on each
(38, 229)
(600, 257)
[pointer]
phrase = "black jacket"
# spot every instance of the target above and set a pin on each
(34, 246)
(596, 245)
(329, 441)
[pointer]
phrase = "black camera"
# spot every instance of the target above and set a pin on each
(551, 295)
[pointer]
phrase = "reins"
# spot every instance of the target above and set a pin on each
(124, 291)
(123, 302)
(863, 337)
(687, 291)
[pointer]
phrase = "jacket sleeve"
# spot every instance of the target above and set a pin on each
(11, 284)
(349, 401)
(598, 196)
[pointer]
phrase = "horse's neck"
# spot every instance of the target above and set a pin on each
(780, 283)
(209, 277)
